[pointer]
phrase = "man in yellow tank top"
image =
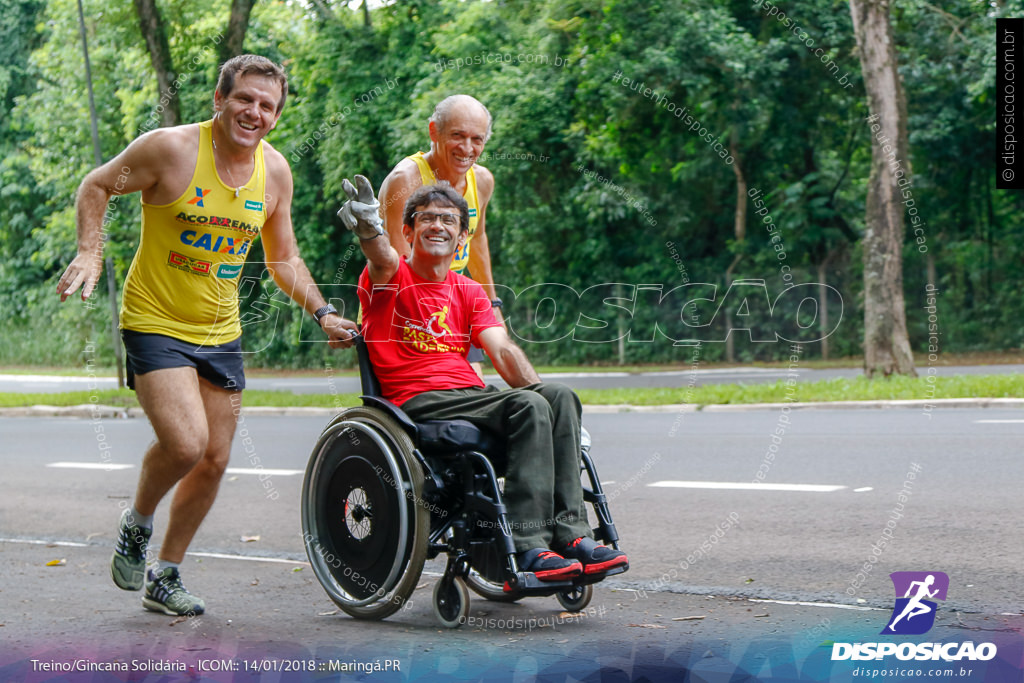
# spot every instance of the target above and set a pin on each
(459, 129)
(208, 191)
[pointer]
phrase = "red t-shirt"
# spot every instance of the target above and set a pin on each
(418, 332)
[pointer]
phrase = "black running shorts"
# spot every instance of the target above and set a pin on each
(221, 364)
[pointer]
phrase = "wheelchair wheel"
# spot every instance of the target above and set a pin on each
(576, 599)
(364, 531)
(451, 602)
(490, 590)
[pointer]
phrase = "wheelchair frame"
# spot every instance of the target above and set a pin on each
(403, 492)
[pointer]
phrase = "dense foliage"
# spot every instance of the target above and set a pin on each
(606, 190)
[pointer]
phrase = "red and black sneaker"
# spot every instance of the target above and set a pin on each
(548, 565)
(595, 558)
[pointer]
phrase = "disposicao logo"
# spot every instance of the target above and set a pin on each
(913, 613)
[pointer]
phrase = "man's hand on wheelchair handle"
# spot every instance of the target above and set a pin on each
(361, 213)
(341, 332)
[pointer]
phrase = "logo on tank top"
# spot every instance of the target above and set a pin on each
(226, 271)
(188, 264)
(198, 199)
(472, 212)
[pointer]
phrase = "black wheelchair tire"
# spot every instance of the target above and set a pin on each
(451, 602)
(576, 599)
(396, 494)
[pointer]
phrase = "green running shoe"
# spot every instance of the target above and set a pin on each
(165, 593)
(128, 565)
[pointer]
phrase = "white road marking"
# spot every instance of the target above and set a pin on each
(90, 466)
(36, 541)
(120, 466)
(262, 470)
(219, 556)
(998, 422)
(250, 558)
(862, 489)
(818, 604)
(742, 486)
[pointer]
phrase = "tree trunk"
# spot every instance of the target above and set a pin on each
(97, 155)
(740, 230)
(929, 260)
(238, 24)
(324, 10)
(155, 32)
(823, 302)
(740, 217)
(886, 343)
(623, 329)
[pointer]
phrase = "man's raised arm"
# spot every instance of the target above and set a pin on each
(360, 214)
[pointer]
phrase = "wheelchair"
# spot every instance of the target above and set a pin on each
(382, 494)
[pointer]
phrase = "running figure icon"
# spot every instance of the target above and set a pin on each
(915, 606)
(918, 591)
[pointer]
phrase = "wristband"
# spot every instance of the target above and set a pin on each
(326, 310)
(496, 303)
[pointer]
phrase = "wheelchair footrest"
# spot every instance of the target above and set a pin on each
(527, 583)
(587, 579)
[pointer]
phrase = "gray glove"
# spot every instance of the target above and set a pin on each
(360, 213)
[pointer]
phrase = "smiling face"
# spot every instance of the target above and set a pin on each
(429, 237)
(250, 111)
(459, 139)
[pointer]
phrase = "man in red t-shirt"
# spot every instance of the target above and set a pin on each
(419, 319)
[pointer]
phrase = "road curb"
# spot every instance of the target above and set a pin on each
(91, 410)
(98, 411)
(913, 404)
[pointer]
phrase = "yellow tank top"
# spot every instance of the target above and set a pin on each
(461, 258)
(183, 281)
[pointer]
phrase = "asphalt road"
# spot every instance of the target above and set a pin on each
(330, 383)
(707, 548)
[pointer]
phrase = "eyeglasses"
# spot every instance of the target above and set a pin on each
(448, 220)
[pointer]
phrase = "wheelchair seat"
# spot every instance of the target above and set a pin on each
(442, 436)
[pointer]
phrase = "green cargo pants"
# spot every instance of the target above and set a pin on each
(542, 483)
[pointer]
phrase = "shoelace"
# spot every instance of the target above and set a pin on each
(131, 541)
(167, 585)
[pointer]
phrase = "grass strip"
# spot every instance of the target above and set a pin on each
(838, 389)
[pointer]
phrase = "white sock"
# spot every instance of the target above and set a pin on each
(161, 565)
(136, 518)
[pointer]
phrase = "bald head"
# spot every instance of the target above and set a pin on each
(449, 107)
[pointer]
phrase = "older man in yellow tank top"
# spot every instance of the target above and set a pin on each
(208, 191)
(459, 129)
